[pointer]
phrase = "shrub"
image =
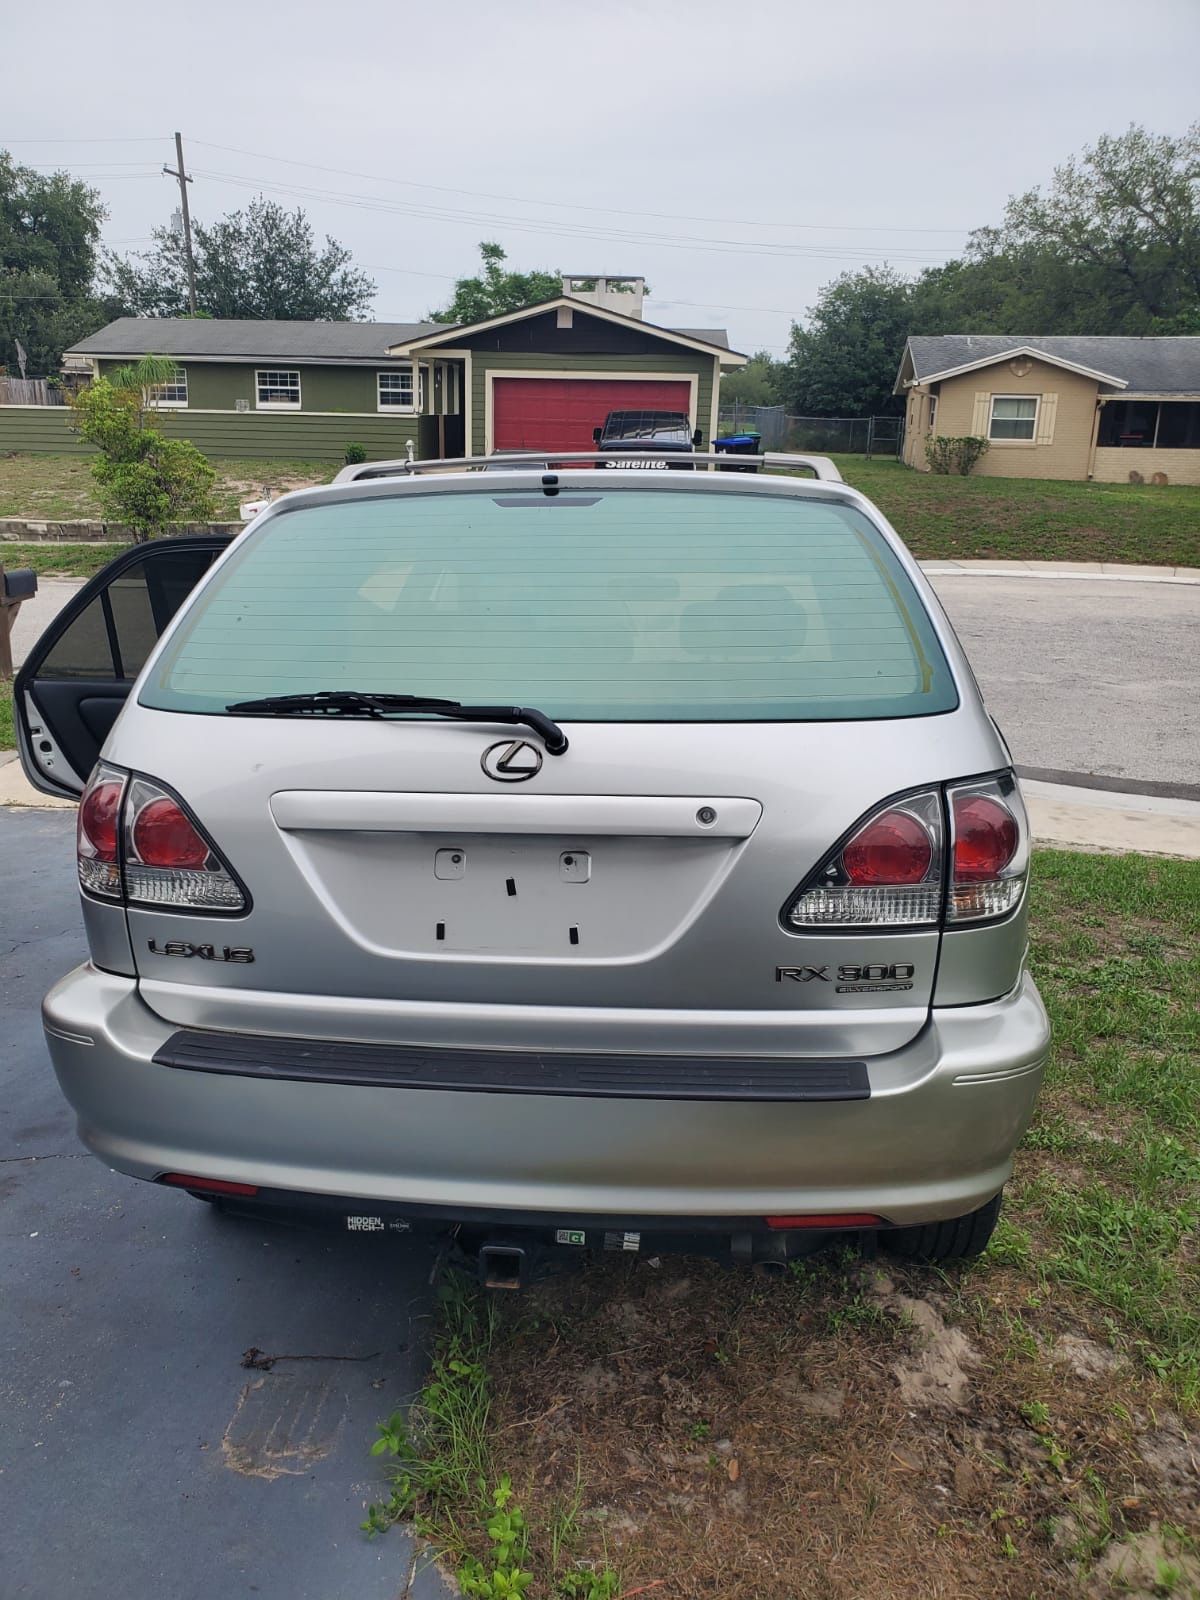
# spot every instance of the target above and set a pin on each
(947, 454)
(354, 454)
(144, 480)
(169, 482)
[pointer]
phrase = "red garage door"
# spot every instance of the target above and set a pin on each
(560, 413)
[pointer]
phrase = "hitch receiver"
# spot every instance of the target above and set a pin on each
(503, 1265)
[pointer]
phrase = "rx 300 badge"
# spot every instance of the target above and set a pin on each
(872, 977)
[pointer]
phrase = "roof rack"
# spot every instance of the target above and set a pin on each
(821, 467)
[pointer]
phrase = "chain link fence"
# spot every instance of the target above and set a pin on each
(857, 436)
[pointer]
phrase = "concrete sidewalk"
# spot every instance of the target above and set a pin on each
(1109, 571)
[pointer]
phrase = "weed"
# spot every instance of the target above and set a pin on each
(867, 1315)
(442, 1462)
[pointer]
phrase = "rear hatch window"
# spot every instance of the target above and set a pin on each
(615, 605)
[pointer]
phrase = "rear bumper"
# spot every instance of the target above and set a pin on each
(934, 1139)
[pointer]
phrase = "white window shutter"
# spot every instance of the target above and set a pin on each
(1046, 411)
(979, 417)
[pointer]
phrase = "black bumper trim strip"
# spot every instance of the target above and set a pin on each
(619, 1077)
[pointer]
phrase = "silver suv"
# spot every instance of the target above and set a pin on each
(572, 858)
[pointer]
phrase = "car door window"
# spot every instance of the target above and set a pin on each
(112, 636)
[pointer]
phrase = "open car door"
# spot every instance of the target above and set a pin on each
(75, 680)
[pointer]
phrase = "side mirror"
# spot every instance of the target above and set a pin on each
(597, 435)
(697, 438)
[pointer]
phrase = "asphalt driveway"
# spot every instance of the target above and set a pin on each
(138, 1456)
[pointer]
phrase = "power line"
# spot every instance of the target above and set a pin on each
(776, 249)
(567, 205)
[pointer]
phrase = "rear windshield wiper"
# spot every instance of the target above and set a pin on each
(356, 703)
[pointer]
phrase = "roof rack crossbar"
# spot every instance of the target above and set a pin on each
(821, 467)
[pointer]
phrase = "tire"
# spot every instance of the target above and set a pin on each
(957, 1239)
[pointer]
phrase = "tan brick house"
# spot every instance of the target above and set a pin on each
(1058, 407)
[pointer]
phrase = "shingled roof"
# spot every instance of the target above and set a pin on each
(232, 339)
(1151, 365)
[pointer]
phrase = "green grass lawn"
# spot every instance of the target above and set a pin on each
(940, 518)
(61, 489)
(1027, 519)
(689, 1428)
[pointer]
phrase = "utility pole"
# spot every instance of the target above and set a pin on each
(180, 171)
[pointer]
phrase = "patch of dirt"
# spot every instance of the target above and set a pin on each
(1134, 1569)
(834, 1433)
(1086, 1358)
(1172, 1453)
(936, 1374)
(282, 1423)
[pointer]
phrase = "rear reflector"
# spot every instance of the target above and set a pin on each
(834, 1219)
(185, 1180)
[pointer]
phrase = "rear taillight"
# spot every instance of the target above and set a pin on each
(137, 843)
(893, 869)
(97, 828)
(168, 861)
(887, 874)
(989, 845)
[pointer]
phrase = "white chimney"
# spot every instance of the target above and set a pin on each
(623, 295)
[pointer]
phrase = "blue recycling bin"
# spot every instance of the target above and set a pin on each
(738, 444)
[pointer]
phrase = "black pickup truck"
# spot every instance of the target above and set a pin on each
(627, 435)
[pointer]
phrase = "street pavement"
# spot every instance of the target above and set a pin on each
(1087, 676)
(138, 1456)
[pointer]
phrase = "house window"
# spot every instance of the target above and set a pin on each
(1013, 416)
(1145, 425)
(278, 390)
(172, 393)
(932, 413)
(396, 390)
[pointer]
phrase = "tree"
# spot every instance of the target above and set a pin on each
(759, 383)
(1126, 215)
(263, 263)
(843, 363)
(145, 480)
(49, 231)
(495, 291)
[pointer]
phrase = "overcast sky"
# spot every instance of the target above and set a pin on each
(736, 155)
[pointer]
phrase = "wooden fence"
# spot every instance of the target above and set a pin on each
(28, 392)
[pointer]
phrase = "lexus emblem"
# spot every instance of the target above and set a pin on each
(512, 761)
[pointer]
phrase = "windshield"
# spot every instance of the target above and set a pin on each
(604, 605)
(664, 426)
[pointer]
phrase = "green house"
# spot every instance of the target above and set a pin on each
(539, 378)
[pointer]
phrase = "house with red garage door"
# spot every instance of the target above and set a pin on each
(545, 377)
(542, 378)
